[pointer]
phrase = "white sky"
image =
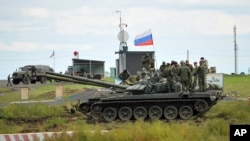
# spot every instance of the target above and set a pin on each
(30, 31)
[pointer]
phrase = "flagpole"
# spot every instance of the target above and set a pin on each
(54, 59)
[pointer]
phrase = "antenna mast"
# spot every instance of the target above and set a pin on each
(235, 51)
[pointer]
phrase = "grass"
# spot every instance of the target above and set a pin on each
(239, 83)
(212, 126)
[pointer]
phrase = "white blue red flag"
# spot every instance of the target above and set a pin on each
(144, 39)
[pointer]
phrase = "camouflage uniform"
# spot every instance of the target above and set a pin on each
(201, 72)
(146, 62)
(190, 66)
(167, 74)
(195, 76)
(162, 67)
(176, 78)
(184, 74)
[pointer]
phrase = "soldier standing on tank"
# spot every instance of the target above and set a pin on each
(162, 67)
(9, 81)
(205, 62)
(190, 66)
(194, 84)
(146, 62)
(184, 74)
(176, 78)
(168, 75)
(201, 72)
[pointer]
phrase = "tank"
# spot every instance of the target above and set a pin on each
(145, 99)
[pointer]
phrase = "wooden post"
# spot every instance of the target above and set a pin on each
(24, 91)
(59, 92)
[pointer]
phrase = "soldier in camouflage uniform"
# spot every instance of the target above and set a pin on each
(184, 74)
(146, 62)
(176, 78)
(162, 67)
(201, 72)
(190, 66)
(195, 76)
(167, 74)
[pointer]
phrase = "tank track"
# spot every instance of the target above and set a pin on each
(149, 109)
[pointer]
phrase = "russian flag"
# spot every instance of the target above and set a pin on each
(144, 39)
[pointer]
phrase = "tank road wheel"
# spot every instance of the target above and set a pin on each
(84, 108)
(140, 113)
(26, 79)
(109, 114)
(125, 113)
(185, 112)
(201, 106)
(170, 112)
(96, 111)
(155, 112)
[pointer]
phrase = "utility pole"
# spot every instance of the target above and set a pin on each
(122, 37)
(235, 52)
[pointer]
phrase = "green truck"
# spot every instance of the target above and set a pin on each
(30, 74)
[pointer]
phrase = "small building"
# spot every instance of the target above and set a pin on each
(132, 61)
(88, 68)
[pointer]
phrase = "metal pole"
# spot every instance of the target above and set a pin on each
(120, 18)
(235, 51)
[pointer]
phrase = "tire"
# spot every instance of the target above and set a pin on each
(26, 79)
(15, 81)
(43, 80)
(33, 81)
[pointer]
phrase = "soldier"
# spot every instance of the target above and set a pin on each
(191, 70)
(162, 67)
(195, 76)
(201, 72)
(146, 62)
(205, 63)
(167, 74)
(124, 76)
(9, 81)
(184, 74)
(176, 78)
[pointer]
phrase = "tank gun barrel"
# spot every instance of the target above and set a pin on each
(83, 80)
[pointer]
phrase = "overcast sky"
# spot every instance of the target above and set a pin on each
(31, 29)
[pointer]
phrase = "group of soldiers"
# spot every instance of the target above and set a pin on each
(185, 74)
(180, 77)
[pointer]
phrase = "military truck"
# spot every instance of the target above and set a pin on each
(31, 74)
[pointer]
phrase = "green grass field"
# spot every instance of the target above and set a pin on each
(212, 126)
